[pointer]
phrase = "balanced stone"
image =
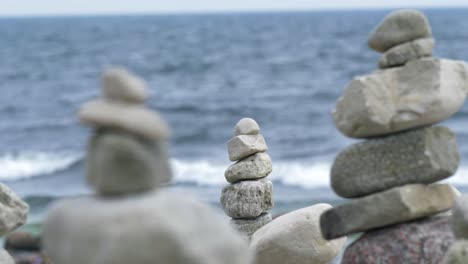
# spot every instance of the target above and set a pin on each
(120, 163)
(422, 241)
(401, 54)
(249, 226)
(457, 253)
(5, 258)
(460, 217)
(243, 146)
(425, 155)
(13, 211)
(120, 85)
(131, 118)
(253, 167)
(295, 238)
(247, 199)
(246, 126)
(399, 27)
(394, 206)
(422, 92)
(156, 227)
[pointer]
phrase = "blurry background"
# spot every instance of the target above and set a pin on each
(208, 64)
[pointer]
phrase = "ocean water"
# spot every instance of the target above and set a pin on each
(205, 72)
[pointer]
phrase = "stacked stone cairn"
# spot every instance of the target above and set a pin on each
(249, 195)
(13, 214)
(391, 177)
(130, 219)
(458, 252)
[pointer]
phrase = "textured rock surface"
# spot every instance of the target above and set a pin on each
(295, 238)
(119, 163)
(457, 253)
(247, 199)
(5, 258)
(460, 217)
(131, 118)
(394, 206)
(123, 231)
(246, 126)
(401, 54)
(249, 226)
(253, 167)
(13, 211)
(424, 241)
(399, 27)
(120, 85)
(422, 92)
(243, 146)
(423, 155)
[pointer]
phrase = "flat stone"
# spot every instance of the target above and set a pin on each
(13, 210)
(394, 206)
(425, 155)
(243, 146)
(253, 167)
(457, 253)
(119, 163)
(247, 199)
(295, 238)
(401, 54)
(248, 226)
(422, 241)
(5, 258)
(130, 118)
(399, 27)
(422, 92)
(122, 231)
(246, 126)
(120, 85)
(460, 217)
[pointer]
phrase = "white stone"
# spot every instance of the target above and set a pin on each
(401, 54)
(295, 238)
(120, 85)
(243, 146)
(13, 211)
(246, 126)
(5, 258)
(457, 253)
(253, 167)
(422, 92)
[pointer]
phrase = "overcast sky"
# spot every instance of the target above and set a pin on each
(68, 7)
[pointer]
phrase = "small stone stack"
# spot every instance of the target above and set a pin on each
(458, 252)
(130, 220)
(391, 176)
(248, 197)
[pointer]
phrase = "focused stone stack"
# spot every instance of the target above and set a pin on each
(391, 176)
(129, 220)
(458, 252)
(248, 197)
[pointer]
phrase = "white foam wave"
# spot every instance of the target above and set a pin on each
(27, 165)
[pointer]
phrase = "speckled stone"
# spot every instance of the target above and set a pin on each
(246, 126)
(424, 241)
(457, 253)
(424, 155)
(248, 226)
(247, 199)
(253, 167)
(242, 146)
(460, 217)
(13, 210)
(401, 54)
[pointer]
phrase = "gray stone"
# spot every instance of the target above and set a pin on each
(246, 126)
(460, 217)
(243, 146)
(120, 85)
(425, 155)
(457, 253)
(119, 163)
(253, 167)
(158, 227)
(401, 54)
(131, 118)
(5, 258)
(13, 211)
(247, 199)
(295, 238)
(394, 206)
(422, 92)
(399, 27)
(248, 226)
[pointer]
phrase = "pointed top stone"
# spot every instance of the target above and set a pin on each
(246, 126)
(120, 85)
(399, 27)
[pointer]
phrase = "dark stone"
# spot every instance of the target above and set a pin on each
(22, 241)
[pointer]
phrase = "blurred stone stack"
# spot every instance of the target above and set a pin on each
(458, 252)
(391, 176)
(248, 197)
(130, 220)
